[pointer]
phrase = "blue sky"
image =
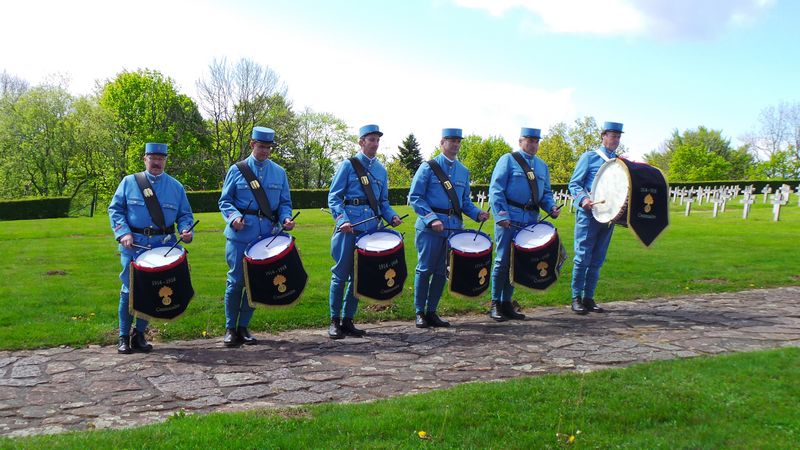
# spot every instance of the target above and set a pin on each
(421, 65)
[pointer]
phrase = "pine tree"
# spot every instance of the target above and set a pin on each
(410, 155)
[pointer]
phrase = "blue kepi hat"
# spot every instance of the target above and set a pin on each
(530, 133)
(263, 134)
(155, 147)
(369, 129)
(451, 133)
(612, 126)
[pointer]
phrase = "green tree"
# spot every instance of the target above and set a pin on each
(555, 149)
(700, 155)
(410, 156)
(398, 173)
(145, 106)
(480, 156)
(321, 140)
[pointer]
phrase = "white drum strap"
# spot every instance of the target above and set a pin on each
(602, 154)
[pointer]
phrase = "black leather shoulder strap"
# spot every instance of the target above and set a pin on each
(446, 185)
(258, 192)
(530, 176)
(365, 183)
(150, 200)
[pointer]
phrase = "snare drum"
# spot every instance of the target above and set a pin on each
(537, 255)
(470, 262)
(160, 286)
(273, 271)
(380, 265)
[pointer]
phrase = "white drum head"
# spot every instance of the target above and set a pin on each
(259, 250)
(535, 236)
(468, 243)
(378, 241)
(155, 257)
(611, 186)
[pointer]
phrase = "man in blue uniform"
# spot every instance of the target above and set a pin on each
(134, 228)
(246, 222)
(436, 219)
(591, 237)
(514, 207)
(349, 202)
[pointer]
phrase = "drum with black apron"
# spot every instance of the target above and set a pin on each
(631, 194)
(537, 255)
(380, 265)
(273, 271)
(470, 261)
(160, 286)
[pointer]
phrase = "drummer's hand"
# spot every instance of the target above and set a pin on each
(238, 223)
(346, 227)
(587, 204)
(437, 226)
(126, 240)
(187, 236)
(483, 215)
(396, 221)
(288, 224)
(504, 223)
(555, 211)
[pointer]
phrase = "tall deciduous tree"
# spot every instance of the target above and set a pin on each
(145, 106)
(701, 155)
(480, 156)
(321, 141)
(237, 97)
(410, 156)
(777, 142)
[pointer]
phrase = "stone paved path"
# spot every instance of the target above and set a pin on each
(61, 389)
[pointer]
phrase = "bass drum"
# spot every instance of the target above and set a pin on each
(611, 193)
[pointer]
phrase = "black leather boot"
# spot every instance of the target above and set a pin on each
(231, 338)
(577, 306)
(507, 309)
(124, 346)
(435, 321)
(495, 314)
(349, 329)
(335, 330)
(591, 306)
(138, 342)
(421, 322)
(245, 336)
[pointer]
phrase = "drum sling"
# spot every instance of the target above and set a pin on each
(530, 176)
(365, 184)
(151, 201)
(447, 186)
(258, 192)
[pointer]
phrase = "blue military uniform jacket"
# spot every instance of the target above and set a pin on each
(588, 164)
(127, 208)
(509, 182)
(427, 193)
(346, 186)
(236, 195)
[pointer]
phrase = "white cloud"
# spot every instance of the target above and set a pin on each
(661, 19)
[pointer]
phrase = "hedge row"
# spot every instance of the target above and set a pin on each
(34, 208)
(206, 201)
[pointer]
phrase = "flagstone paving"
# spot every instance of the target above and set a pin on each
(62, 389)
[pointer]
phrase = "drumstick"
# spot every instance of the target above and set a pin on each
(325, 210)
(243, 214)
(599, 203)
(181, 238)
(360, 222)
(283, 227)
(142, 246)
(389, 224)
(548, 214)
(479, 230)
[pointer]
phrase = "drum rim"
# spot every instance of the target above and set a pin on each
(388, 251)
(379, 252)
(171, 265)
(465, 253)
(534, 225)
(272, 258)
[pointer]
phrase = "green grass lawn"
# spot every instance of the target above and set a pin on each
(746, 400)
(60, 276)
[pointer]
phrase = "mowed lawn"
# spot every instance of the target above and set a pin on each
(60, 276)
